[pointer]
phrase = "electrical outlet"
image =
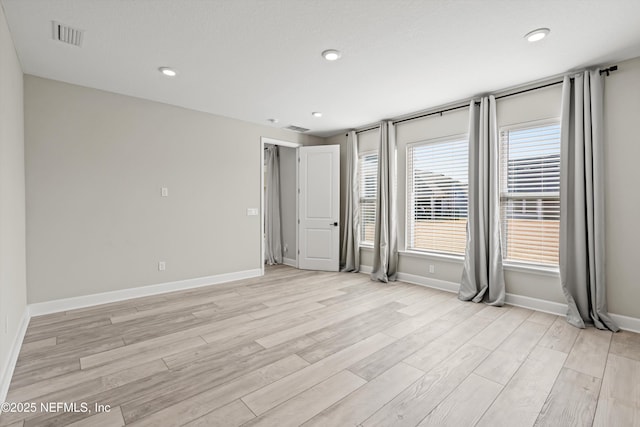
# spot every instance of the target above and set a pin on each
(432, 269)
(164, 192)
(162, 266)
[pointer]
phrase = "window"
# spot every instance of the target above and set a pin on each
(437, 195)
(368, 173)
(530, 192)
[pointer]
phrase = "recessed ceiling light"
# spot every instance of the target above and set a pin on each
(316, 114)
(331, 54)
(274, 121)
(169, 72)
(537, 35)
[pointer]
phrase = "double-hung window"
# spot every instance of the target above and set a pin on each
(530, 193)
(437, 195)
(368, 172)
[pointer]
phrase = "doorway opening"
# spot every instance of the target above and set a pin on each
(286, 198)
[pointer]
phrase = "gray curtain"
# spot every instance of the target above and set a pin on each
(273, 221)
(350, 251)
(482, 275)
(582, 257)
(385, 246)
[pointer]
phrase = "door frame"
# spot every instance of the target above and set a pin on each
(264, 140)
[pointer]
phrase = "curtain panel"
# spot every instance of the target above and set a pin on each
(385, 247)
(582, 238)
(350, 251)
(483, 275)
(273, 220)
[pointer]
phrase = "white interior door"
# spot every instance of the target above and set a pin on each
(319, 208)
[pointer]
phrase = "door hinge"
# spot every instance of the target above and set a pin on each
(298, 251)
(298, 191)
(298, 221)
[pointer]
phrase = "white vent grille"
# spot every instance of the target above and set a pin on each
(297, 128)
(65, 34)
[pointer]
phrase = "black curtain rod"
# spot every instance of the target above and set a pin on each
(368, 129)
(432, 114)
(530, 89)
(606, 71)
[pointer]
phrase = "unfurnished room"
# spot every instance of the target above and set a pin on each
(319, 213)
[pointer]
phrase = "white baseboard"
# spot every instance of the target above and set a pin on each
(7, 372)
(66, 304)
(510, 299)
(442, 285)
(290, 262)
(626, 323)
(366, 269)
(537, 304)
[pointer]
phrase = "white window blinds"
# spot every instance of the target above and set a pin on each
(437, 195)
(368, 171)
(530, 193)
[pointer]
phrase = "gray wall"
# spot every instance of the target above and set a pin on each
(289, 205)
(13, 290)
(95, 165)
(622, 157)
(622, 151)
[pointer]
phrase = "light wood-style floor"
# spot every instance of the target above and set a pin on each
(323, 349)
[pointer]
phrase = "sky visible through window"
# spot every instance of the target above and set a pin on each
(527, 142)
(527, 146)
(442, 150)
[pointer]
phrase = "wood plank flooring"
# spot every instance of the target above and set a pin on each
(321, 349)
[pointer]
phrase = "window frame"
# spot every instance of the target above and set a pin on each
(521, 265)
(362, 243)
(409, 209)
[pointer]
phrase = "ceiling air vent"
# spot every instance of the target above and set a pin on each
(66, 34)
(297, 128)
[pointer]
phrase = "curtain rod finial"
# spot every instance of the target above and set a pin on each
(608, 70)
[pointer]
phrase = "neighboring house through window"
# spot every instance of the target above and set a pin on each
(368, 171)
(437, 195)
(530, 192)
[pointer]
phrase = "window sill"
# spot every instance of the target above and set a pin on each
(532, 269)
(366, 246)
(417, 254)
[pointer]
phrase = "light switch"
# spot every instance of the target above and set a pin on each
(165, 192)
(252, 211)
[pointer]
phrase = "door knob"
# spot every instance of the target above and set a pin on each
(335, 224)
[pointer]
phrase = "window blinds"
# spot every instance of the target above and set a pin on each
(530, 193)
(368, 171)
(437, 196)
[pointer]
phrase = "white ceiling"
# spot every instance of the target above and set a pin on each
(260, 59)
